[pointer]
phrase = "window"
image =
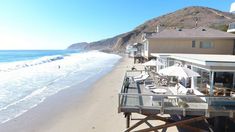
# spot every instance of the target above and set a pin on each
(223, 79)
(206, 44)
(193, 43)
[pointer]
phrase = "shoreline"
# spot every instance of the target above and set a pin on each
(57, 108)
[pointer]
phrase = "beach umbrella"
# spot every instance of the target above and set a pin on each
(152, 63)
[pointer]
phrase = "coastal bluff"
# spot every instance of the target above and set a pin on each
(189, 17)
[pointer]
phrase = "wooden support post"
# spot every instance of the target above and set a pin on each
(192, 129)
(209, 126)
(137, 124)
(127, 115)
(179, 123)
(147, 123)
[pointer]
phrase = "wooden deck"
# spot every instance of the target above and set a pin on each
(138, 99)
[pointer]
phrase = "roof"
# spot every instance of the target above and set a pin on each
(206, 59)
(201, 59)
(194, 33)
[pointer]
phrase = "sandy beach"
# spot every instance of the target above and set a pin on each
(95, 110)
(98, 110)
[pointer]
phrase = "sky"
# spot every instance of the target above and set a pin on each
(56, 24)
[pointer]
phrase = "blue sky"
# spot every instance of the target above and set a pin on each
(55, 24)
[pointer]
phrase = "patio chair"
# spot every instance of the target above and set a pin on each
(144, 77)
(164, 81)
(232, 94)
(140, 75)
(161, 80)
(182, 90)
(178, 89)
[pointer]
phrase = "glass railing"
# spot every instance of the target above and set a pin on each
(167, 104)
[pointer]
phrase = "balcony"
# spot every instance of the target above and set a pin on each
(137, 99)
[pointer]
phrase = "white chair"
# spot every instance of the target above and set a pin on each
(140, 75)
(232, 94)
(144, 77)
(181, 89)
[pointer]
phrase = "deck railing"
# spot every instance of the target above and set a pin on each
(177, 104)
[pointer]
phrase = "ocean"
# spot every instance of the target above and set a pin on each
(28, 77)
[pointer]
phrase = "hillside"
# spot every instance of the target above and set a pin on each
(183, 18)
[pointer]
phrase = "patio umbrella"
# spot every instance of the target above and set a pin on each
(152, 63)
(179, 71)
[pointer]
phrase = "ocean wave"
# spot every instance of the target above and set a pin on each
(10, 66)
(25, 88)
(34, 93)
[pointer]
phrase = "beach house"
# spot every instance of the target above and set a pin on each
(204, 52)
(136, 51)
(217, 76)
(212, 95)
(231, 27)
(190, 41)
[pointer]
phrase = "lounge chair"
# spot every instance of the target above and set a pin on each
(232, 94)
(178, 89)
(181, 89)
(144, 77)
(140, 75)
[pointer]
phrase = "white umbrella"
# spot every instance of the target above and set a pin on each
(152, 63)
(178, 71)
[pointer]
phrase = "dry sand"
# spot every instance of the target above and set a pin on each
(95, 111)
(99, 110)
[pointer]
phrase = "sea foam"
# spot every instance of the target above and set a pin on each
(25, 84)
